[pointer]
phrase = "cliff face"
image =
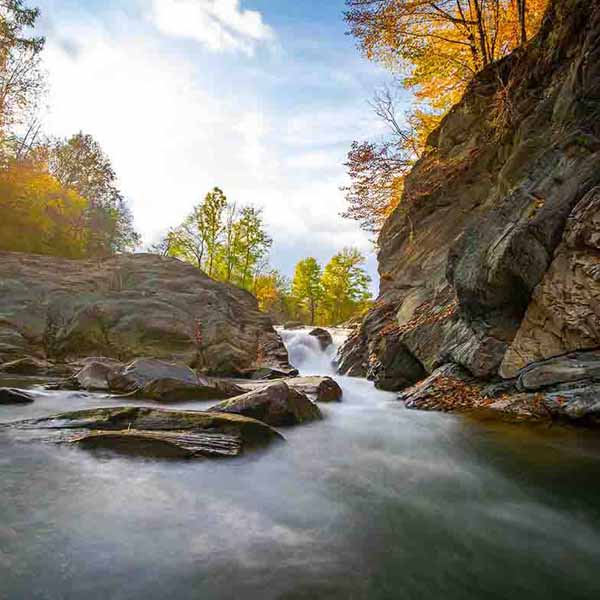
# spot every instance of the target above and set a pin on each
(491, 261)
(128, 306)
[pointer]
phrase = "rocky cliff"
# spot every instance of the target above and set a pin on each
(491, 262)
(128, 306)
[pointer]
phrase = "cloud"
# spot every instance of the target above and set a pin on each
(177, 121)
(220, 25)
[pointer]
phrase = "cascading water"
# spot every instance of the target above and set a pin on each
(305, 350)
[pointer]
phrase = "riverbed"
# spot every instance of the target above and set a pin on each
(373, 502)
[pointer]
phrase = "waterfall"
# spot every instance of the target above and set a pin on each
(305, 350)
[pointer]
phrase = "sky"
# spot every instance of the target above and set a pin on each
(259, 97)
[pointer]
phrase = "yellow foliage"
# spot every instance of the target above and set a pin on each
(38, 214)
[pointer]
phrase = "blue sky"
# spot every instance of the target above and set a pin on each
(259, 97)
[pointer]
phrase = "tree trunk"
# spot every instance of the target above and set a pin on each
(522, 15)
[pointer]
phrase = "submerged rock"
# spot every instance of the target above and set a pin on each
(276, 404)
(323, 336)
(143, 431)
(15, 396)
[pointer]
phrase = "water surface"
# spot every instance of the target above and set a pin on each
(374, 502)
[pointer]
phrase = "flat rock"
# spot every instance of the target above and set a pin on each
(30, 365)
(276, 404)
(143, 431)
(15, 396)
(572, 367)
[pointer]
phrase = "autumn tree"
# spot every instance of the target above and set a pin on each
(40, 215)
(306, 287)
(345, 287)
(433, 48)
(80, 163)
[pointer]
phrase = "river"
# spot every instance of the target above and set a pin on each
(373, 502)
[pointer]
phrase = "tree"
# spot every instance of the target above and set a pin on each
(210, 224)
(345, 286)
(273, 291)
(80, 163)
(306, 286)
(21, 80)
(433, 48)
(252, 244)
(39, 215)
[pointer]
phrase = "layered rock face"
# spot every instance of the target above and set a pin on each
(129, 306)
(491, 261)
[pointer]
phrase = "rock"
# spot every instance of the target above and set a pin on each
(447, 389)
(94, 375)
(490, 261)
(142, 371)
(161, 444)
(275, 404)
(127, 306)
(578, 366)
(294, 325)
(397, 367)
(177, 390)
(564, 313)
(15, 396)
(30, 365)
(576, 404)
(321, 388)
(149, 431)
(268, 373)
(323, 336)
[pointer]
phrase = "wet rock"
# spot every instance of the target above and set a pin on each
(276, 404)
(323, 336)
(142, 431)
(293, 325)
(15, 396)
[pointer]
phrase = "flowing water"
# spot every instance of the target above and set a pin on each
(373, 502)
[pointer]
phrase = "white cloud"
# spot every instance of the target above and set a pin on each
(176, 123)
(220, 25)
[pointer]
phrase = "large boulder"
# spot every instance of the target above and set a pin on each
(490, 260)
(148, 431)
(127, 306)
(276, 404)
